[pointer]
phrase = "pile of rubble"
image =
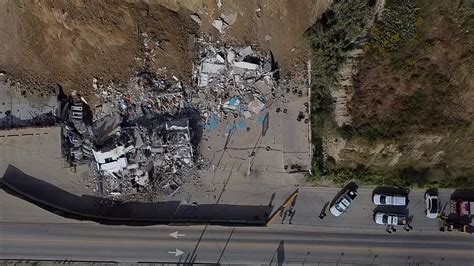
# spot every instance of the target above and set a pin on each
(146, 136)
(233, 81)
(136, 141)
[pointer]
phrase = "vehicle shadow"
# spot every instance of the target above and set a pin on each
(390, 191)
(463, 194)
(432, 191)
(391, 209)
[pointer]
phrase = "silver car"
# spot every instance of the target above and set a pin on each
(432, 205)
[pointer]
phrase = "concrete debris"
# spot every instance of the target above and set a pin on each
(245, 65)
(210, 68)
(246, 51)
(236, 80)
(111, 161)
(196, 18)
(144, 137)
(137, 140)
(230, 19)
(219, 24)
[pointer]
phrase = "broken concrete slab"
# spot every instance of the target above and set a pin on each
(230, 19)
(196, 18)
(220, 25)
(203, 80)
(220, 59)
(211, 68)
(246, 65)
(246, 51)
(230, 56)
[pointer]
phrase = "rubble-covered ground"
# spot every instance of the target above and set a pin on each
(163, 101)
(152, 136)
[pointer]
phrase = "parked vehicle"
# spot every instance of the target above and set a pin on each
(390, 218)
(397, 200)
(343, 202)
(432, 205)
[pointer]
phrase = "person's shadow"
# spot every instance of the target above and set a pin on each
(323, 214)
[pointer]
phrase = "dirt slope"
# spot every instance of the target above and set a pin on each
(71, 42)
(412, 104)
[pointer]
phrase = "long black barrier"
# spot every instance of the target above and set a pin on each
(108, 211)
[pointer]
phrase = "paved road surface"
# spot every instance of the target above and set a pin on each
(277, 243)
(27, 231)
(308, 206)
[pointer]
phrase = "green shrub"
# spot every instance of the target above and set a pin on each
(333, 35)
(395, 27)
(330, 38)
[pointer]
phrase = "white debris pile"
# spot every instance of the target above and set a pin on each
(237, 80)
(146, 155)
(139, 139)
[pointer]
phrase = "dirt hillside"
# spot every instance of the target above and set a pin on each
(72, 42)
(411, 104)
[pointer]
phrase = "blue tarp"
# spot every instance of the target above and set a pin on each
(211, 123)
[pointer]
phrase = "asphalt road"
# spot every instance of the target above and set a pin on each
(27, 231)
(277, 243)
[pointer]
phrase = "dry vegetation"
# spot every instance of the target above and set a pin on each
(411, 79)
(412, 107)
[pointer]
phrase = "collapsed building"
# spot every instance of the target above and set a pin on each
(134, 143)
(147, 136)
(233, 81)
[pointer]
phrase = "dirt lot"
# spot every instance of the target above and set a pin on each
(72, 42)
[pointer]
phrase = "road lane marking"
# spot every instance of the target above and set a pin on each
(176, 253)
(175, 235)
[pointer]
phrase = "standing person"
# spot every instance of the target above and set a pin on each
(292, 214)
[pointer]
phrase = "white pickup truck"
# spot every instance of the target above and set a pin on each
(390, 218)
(396, 200)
